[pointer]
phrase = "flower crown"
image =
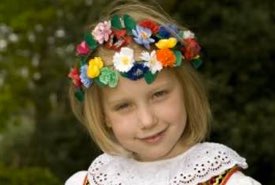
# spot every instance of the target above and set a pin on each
(170, 47)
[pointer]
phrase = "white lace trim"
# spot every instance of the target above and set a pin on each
(197, 165)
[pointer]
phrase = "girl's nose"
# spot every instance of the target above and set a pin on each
(147, 117)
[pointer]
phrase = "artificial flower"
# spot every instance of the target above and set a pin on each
(82, 48)
(166, 57)
(188, 35)
(163, 32)
(150, 25)
(151, 61)
(166, 31)
(86, 81)
(109, 77)
(120, 33)
(94, 67)
(143, 36)
(117, 34)
(191, 49)
(74, 75)
(137, 71)
(166, 43)
(118, 39)
(124, 60)
(102, 31)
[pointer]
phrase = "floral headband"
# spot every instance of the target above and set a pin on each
(170, 46)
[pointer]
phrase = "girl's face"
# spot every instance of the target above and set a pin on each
(147, 120)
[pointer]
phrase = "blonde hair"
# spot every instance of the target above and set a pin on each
(91, 114)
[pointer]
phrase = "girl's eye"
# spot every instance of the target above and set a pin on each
(122, 106)
(160, 94)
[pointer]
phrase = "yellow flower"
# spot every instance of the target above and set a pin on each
(166, 43)
(94, 67)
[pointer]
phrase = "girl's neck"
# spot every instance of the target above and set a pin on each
(173, 153)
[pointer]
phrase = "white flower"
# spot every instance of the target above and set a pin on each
(151, 61)
(124, 60)
(188, 35)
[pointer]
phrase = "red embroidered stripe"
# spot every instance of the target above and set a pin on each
(222, 178)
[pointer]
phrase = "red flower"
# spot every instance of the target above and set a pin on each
(118, 39)
(149, 24)
(120, 33)
(74, 75)
(191, 48)
(82, 48)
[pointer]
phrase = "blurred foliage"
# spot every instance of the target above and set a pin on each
(37, 42)
(27, 176)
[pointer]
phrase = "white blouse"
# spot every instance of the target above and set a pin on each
(197, 165)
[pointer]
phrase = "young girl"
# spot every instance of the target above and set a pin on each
(137, 92)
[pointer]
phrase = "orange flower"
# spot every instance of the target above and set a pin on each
(166, 57)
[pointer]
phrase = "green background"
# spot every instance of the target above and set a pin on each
(40, 140)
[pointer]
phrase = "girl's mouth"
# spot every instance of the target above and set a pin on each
(154, 138)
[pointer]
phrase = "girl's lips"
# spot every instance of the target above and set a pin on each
(154, 138)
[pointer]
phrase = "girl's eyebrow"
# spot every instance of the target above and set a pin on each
(162, 84)
(117, 100)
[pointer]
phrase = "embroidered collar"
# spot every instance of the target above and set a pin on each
(197, 165)
(166, 46)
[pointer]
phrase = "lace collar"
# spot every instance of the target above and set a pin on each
(197, 165)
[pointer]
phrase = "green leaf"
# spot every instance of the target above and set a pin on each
(123, 74)
(83, 61)
(116, 22)
(79, 94)
(90, 41)
(150, 77)
(181, 34)
(178, 58)
(159, 36)
(130, 23)
(98, 82)
(196, 63)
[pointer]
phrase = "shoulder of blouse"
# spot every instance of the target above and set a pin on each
(77, 178)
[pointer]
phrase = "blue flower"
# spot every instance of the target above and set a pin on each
(167, 30)
(143, 36)
(86, 81)
(137, 71)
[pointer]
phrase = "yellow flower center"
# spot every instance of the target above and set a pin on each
(125, 60)
(144, 35)
(152, 61)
